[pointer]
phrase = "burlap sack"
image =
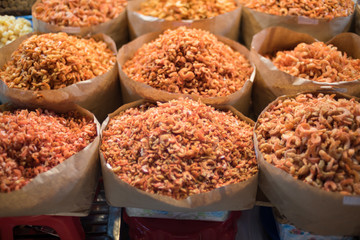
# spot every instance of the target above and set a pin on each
(116, 28)
(307, 207)
(100, 95)
(133, 90)
(67, 189)
(253, 22)
(271, 83)
(227, 24)
(118, 193)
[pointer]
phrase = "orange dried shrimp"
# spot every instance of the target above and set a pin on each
(316, 139)
(175, 10)
(318, 62)
(189, 61)
(327, 9)
(56, 60)
(179, 148)
(32, 142)
(78, 13)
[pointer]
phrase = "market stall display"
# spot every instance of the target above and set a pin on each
(332, 17)
(189, 62)
(309, 143)
(12, 28)
(82, 18)
(185, 150)
(221, 17)
(289, 65)
(181, 155)
(59, 68)
(48, 160)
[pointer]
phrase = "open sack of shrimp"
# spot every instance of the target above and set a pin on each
(321, 19)
(180, 156)
(48, 160)
(218, 17)
(57, 69)
(308, 149)
(290, 62)
(186, 62)
(82, 18)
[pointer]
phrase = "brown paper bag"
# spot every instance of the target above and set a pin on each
(227, 24)
(116, 28)
(118, 193)
(253, 22)
(357, 19)
(133, 90)
(307, 207)
(270, 82)
(100, 95)
(67, 189)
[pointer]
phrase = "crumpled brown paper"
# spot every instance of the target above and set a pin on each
(253, 22)
(133, 90)
(239, 196)
(116, 28)
(307, 207)
(67, 189)
(100, 95)
(227, 24)
(271, 83)
(357, 19)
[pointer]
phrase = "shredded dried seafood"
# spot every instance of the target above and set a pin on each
(56, 60)
(32, 142)
(327, 9)
(179, 148)
(318, 62)
(176, 10)
(78, 13)
(316, 139)
(189, 61)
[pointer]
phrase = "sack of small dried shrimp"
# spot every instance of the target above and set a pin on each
(320, 19)
(290, 62)
(48, 160)
(57, 69)
(218, 17)
(82, 18)
(179, 156)
(308, 149)
(187, 62)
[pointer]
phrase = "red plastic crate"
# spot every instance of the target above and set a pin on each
(66, 227)
(172, 229)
